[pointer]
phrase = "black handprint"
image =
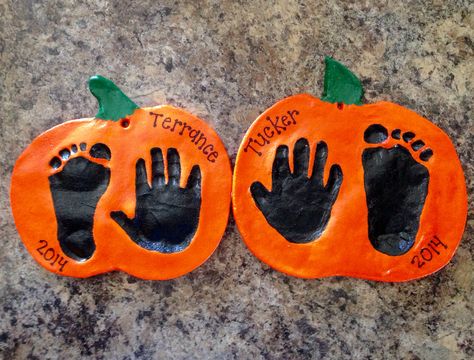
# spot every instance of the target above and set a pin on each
(299, 207)
(166, 215)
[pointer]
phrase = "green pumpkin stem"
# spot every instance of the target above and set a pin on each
(340, 84)
(113, 103)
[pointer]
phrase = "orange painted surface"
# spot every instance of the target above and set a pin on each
(344, 248)
(34, 214)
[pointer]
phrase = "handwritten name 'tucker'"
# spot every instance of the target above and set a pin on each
(274, 127)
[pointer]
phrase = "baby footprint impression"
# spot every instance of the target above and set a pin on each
(76, 188)
(396, 186)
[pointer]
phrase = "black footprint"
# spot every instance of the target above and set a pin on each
(76, 190)
(298, 206)
(396, 186)
(166, 215)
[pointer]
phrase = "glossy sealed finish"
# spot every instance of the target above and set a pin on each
(148, 194)
(388, 183)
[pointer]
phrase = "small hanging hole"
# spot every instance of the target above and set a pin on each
(340, 106)
(125, 123)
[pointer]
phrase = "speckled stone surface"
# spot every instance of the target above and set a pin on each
(226, 62)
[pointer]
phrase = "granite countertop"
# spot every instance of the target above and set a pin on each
(226, 62)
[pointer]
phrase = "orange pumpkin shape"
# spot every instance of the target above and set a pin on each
(142, 190)
(333, 187)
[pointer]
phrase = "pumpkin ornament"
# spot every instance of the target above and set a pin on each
(142, 190)
(326, 187)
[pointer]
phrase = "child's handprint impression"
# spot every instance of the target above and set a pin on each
(166, 215)
(299, 207)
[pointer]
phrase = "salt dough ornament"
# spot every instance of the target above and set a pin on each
(329, 186)
(142, 190)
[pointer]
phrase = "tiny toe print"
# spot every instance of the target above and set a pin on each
(100, 151)
(396, 186)
(426, 154)
(408, 136)
(64, 154)
(55, 162)
(396, 134)
(375, 134)
(417, 145)
(76, 189)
